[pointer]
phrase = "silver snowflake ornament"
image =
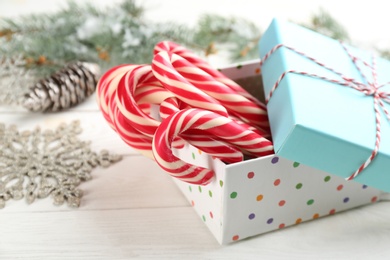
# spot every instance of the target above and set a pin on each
(37, 164)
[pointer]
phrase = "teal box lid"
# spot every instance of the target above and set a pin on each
(319, 123)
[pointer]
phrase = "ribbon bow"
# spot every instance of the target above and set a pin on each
(369, 88)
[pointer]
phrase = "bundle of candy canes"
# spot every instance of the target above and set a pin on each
(197, 105)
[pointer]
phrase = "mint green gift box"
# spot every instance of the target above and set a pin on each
(318, 123)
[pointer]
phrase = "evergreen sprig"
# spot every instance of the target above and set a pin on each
(121, 34)
(77, 32)
(82, 32)
(239, 36)
(324, 23)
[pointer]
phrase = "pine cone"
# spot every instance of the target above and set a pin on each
(64, 89)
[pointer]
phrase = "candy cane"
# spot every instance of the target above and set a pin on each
(106, 93)
(211, 123)
(205, 66)
(107, 86)
(237, 101)
(137, 128)
(198, 139)
(127, 105)
(126, 92)
(184, 90)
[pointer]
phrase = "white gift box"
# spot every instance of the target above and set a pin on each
(269, 193)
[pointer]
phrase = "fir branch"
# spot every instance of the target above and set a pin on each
(45, 43)
(238, 35)
(115, 36)
(325, 24)
(121, 34)
(384, 53)
(78, 32)
(132, 9)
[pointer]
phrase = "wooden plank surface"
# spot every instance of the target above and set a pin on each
(177, 233)
(134, 210)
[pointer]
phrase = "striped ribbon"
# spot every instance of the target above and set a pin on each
(370, 88)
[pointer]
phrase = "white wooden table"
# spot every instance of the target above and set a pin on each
(134, 210)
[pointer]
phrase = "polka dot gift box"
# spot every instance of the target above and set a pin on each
(268, 193)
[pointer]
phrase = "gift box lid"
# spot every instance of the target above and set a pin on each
(318, 122)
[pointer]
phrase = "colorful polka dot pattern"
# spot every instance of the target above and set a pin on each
(302, 196)
(285, 189)
(265, 194)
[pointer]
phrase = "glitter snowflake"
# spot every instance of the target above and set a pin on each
(37, 164)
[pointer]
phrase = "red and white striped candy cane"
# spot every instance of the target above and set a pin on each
(173, 105)
(181, 87)
(125, 98)
(138, 86)
(125, 94)
(212, 124)
(106, 93)
(133, 124)
(237, 101)
(205, 143)
(106, 87)
(173, 47)
(142, 79)
(205, 66)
